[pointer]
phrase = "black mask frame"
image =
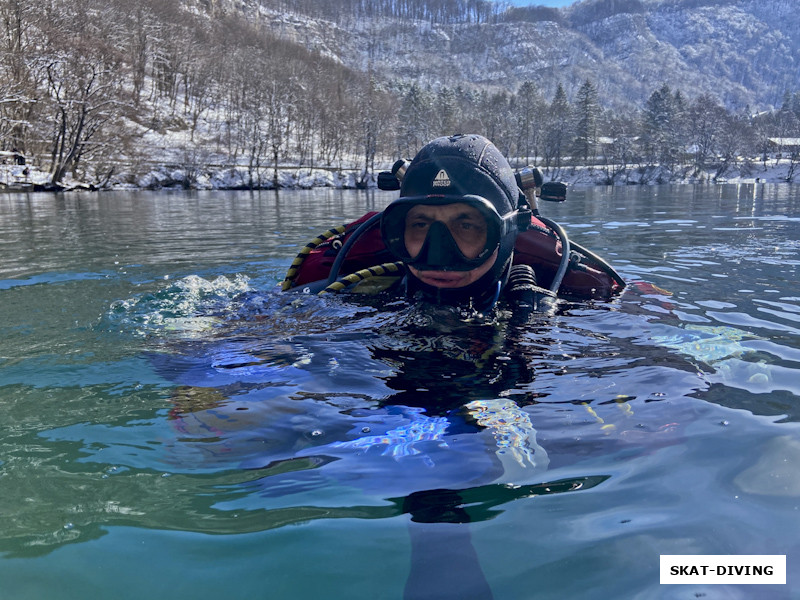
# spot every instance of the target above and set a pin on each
(440, 251)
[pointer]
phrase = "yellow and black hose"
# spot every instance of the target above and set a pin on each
(294, 268)
(375, 271)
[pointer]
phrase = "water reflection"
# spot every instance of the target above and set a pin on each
(252, 416)
(151, 378)
(263, 413)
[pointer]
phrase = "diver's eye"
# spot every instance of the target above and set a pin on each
(468, 230)
(417, 229)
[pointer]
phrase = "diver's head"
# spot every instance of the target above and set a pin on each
(455, 222)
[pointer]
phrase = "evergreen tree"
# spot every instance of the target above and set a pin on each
(497, 122)
(662, 127)
(415, 120)
(446, 112)
(788, 120)
(787, 101)
(587, 117)
(557, 128)
(656, 119)
(796, 105)
(529, 110)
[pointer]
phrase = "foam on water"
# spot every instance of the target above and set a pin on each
(187, 307)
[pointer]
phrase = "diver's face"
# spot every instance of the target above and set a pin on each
(467, 227)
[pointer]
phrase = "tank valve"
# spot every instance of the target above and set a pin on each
(529, 178)
(529, 181)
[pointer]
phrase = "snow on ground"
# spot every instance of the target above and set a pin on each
(773, 171)
(22, 177)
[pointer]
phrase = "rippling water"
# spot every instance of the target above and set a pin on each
(173, 427)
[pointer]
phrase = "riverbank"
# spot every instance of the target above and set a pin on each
(24, 178)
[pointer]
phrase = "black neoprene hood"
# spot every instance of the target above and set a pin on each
(450, 167)
(448, 170)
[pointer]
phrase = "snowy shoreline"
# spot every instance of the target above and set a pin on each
(21, 178)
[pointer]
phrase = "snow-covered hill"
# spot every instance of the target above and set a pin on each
(235, 92)
(746, 52)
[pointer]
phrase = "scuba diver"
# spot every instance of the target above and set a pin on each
(434, 428)
(455, 223)
(465, 232)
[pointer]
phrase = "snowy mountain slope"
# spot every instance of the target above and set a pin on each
(746, 52)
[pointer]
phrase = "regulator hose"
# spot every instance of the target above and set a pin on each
(525, 295)
(294, 269)
(375, 271)
(565, 252)
(362, 229)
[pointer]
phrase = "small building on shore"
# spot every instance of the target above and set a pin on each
(785, 145)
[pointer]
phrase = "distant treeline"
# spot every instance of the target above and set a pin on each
(88, 87)
(434, 11)
(472, 11)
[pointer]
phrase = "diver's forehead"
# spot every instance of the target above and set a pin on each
(443, 211)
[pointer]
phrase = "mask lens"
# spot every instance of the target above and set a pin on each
(466, 225)
(457, 234)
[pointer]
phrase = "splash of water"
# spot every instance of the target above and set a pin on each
(186, 307)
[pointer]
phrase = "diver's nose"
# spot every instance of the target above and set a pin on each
(441, 247)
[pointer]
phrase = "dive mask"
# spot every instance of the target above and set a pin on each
(444, 233)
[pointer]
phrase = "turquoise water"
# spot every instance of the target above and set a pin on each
(172, 427)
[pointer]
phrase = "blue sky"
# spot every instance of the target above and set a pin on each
(543, 2)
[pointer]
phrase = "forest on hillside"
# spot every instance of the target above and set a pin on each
(87, 85)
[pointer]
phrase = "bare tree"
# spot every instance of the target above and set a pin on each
(20, 75)
(707, 119)
(621, 151)
(530, 108)
(279, 104)
(82, 97)
(200, 86)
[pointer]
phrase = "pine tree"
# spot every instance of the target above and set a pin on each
(557, 129)
(796, 104)
(788, 122)
(661, 127)
(414, 127)
(587, 117)
(446, 107)
(656, 117)
(530, 108)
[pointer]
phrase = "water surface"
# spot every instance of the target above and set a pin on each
(173, 427)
